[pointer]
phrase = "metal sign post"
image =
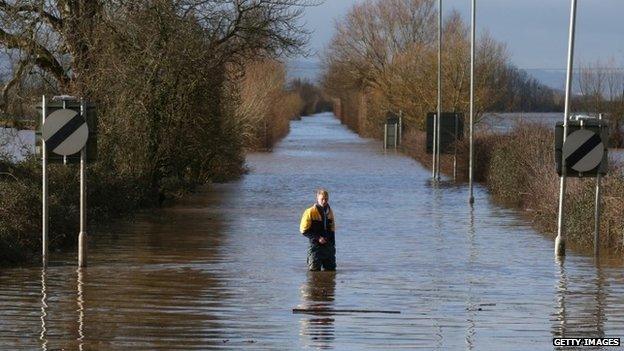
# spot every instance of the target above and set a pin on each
(64, 107)
(597, 210)
(385, 136)
(82, 236)
(396, 135)
(472, 57)
(586, 155)
(433, 162)
(439, 114)
(65, 132)
(44, 195)
(391, 131)
(560, 241)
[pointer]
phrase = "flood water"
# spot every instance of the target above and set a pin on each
(224, 269)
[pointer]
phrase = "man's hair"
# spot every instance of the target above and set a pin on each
(322, 191)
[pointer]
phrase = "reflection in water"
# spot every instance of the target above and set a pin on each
(319, 293)
(581, 304)
(471, 300)
(438, 233)
(44, 311)
(562, 288)
(600, 301)
(80, 301)
(222, 270)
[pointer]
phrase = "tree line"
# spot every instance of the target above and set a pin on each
(182, 89)
(383, 58)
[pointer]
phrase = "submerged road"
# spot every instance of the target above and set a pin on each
(224, 269)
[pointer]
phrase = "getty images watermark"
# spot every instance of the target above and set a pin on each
(580, 342)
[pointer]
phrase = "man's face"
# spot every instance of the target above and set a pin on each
(322, 199)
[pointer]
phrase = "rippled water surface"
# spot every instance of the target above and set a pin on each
(225, 268)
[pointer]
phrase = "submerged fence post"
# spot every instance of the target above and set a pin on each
(560, 241)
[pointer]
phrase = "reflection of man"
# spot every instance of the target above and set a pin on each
(320, 289)
(317, 224)
(318, 294)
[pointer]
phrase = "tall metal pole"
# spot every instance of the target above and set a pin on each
(472, 59)
(82, 237)
(455, 150)
(560, 241)
(64, 156)
(396, 135)
(44, 172)
(439, 114)
(597, 207)
(434, 143)
(433, 162)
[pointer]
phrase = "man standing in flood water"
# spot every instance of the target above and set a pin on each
(317, 224)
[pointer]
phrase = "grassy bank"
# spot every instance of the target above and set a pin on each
(518, 169)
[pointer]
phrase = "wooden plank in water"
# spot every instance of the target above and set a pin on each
(332, 311)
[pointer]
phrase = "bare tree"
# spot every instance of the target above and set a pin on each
(57, 37)
(602, 91)
(52, 36)
(386, 51)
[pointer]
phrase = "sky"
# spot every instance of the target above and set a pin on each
(535, 31)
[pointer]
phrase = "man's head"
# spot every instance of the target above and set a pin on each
(322, 197)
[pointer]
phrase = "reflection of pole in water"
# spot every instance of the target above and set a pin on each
(562, 290)
(319, 293)
(437, 211)
(472, 304)
(44, 311)
(600, 299)
(80, 301)
(473, 252)
(581, 311)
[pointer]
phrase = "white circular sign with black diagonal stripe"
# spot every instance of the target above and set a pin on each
(65, 132)
(583, 150)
